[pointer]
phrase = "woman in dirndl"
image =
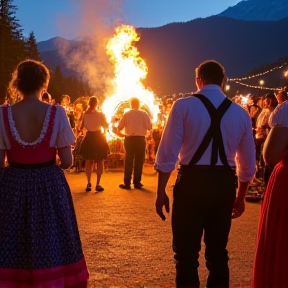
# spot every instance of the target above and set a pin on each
(94, 147)
(271, 257)
(40, 245)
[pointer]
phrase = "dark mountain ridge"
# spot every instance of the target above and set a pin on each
(258, 10)
(172, 52)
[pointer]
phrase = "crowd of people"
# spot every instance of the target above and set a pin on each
(218, 143)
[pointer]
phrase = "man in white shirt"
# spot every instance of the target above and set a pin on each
(136, 122)
(208, 131)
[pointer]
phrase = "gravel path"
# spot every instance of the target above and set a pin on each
(127, 245)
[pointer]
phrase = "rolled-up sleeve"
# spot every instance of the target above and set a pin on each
(122, 123)
(279, 116)
(171, 141)
(245, 157)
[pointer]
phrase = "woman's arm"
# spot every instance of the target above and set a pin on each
(65, 155)
(275, 144)
(82, 123)
(2, 158)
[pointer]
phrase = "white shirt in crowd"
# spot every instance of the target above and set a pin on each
(262, 120)
(135, 122)
(279, 116)
(187, 125)
(276, 111)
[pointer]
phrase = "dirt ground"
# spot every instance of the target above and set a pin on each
(126, 244)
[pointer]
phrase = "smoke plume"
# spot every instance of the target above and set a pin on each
(94, 23)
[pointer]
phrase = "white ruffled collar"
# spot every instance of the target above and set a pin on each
(16, 135)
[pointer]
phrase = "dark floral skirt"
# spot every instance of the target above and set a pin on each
(94, 146)
(39, 238)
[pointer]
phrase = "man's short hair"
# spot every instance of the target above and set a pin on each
(210, 72)
(283, 95)
(135, 102)
(93, 101)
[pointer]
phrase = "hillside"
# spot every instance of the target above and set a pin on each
(258, 10)
(173, 51)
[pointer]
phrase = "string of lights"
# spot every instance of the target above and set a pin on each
(259, 87)
(259, 74)
(238, 81)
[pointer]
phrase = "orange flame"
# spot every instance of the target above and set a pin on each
(130, 70)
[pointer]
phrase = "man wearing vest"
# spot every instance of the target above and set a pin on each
(212, 136)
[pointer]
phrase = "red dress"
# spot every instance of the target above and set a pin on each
(271, 259)
(40, 245)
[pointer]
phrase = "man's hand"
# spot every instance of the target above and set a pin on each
(162, 200)
(239, 208)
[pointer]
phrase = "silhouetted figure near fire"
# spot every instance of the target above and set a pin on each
(136, 122)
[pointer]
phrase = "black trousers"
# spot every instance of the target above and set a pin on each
(203, 202)
(134, 157)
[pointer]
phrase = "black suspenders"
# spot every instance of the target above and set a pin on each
(213, 133)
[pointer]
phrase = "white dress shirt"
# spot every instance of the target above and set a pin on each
(135, 122)
(187, 125)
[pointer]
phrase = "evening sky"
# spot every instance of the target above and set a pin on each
(50, 18)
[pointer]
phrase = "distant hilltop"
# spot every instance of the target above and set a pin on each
(258, 10)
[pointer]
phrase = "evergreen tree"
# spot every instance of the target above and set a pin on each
(32, 48)
(12, 44)
(56, 84)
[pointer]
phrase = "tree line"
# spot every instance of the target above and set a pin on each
(14, 48)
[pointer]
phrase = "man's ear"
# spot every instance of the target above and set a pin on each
(223, 85)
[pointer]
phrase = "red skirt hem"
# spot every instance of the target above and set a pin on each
(68, 276)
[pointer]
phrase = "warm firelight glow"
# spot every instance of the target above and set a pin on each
(130, 70)
(245, 100)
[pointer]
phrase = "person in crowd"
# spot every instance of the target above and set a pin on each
(46, 97)
(94, 147)
(66, 104)
(156, 135)
(262, 123)
(271, 258)
(65, 101)
(281, 97)
(262, 130)
(208, 130)
(40, 244)
(136, 122)
(254, 110)
(237, 98)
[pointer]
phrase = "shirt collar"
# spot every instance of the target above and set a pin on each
(211, 87)
(213, 93)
